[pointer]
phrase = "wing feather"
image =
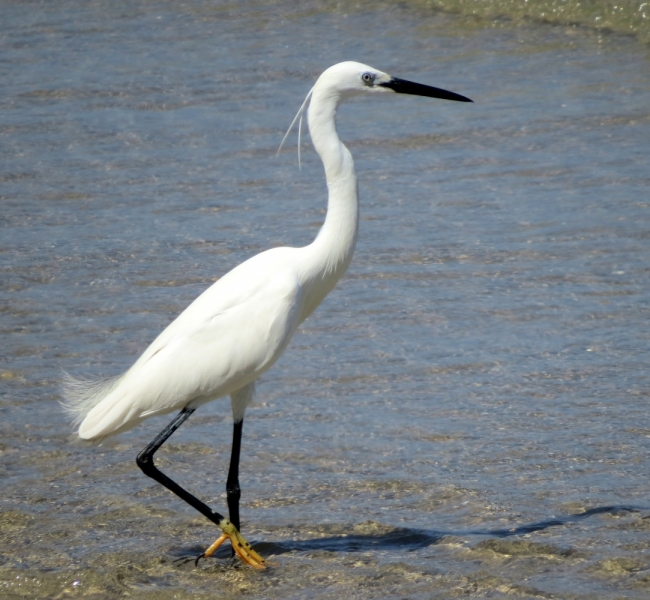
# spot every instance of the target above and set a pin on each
(224, 340)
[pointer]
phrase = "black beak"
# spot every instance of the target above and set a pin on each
(401, 86)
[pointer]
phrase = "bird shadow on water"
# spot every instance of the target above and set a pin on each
(415, 539)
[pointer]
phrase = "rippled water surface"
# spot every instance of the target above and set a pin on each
(465, 415)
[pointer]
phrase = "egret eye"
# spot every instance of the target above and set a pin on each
(368, 79)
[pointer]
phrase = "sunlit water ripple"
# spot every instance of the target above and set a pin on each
(466, 414)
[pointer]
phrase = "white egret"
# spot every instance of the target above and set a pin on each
(239, 327)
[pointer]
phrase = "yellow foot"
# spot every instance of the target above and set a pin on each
(240, 546)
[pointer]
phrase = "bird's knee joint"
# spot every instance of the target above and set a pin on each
(146, 464)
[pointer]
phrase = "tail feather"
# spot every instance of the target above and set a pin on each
(82, 394)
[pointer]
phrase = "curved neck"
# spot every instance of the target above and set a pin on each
(329, 256)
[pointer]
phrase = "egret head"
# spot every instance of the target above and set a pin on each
(350, 78)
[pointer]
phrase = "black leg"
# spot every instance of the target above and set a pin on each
(145, 462)
(232, 484)
(233, 492)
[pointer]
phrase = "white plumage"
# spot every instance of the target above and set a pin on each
(221, 343)
(239, 327)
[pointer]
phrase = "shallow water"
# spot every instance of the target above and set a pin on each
(466, 414)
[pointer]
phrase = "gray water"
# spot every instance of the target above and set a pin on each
(466, 415)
